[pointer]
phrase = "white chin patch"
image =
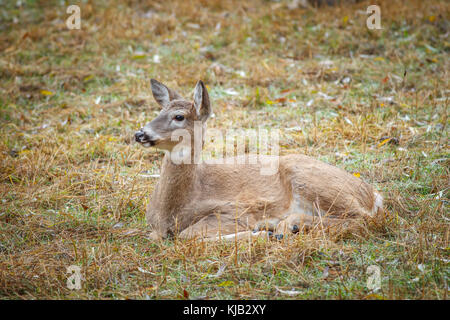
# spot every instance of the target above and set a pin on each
(146, 144)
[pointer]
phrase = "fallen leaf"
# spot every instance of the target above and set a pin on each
(289, 292)
(46, 93)
(384, 142)
(374, 296)
(89, 77)
(280, 100)
(144, 271)
(227, 283)
(118, 225)
(138, 56)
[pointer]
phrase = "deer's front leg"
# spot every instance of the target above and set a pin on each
(158, 224)
(217, 224)
(155, 236)
(207, 230)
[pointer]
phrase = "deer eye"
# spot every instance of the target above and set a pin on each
(179, 117)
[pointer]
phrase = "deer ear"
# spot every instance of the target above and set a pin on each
(162, 94)
(201, 101)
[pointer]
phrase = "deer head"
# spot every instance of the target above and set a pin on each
(176, 113)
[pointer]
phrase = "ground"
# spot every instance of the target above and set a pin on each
(74, 186)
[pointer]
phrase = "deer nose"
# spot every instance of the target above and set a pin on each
(139, 135)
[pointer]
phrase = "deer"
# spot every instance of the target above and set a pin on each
(234, 200)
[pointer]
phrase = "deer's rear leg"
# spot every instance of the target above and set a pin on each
(300, 222)
(268, 225)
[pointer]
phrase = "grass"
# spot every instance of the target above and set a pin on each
(74, 186)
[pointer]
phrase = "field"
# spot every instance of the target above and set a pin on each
(74, 185)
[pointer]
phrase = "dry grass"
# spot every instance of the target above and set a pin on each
(74, 187)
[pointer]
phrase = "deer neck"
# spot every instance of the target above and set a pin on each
(175, 186)
(174, 191)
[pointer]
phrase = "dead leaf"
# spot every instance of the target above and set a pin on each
(144, 271)
(289, 292)
(382, 143)
(46, 93)
(227, 283)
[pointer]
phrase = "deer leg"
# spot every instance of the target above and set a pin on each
(155, 236)
(266, 224)
(212, 228)
(205, 236)
(243, 235)
(297, 222)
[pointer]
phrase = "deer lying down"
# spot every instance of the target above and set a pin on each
(225, 201)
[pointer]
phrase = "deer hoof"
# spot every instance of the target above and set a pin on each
(155, 236)
(279, 236)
